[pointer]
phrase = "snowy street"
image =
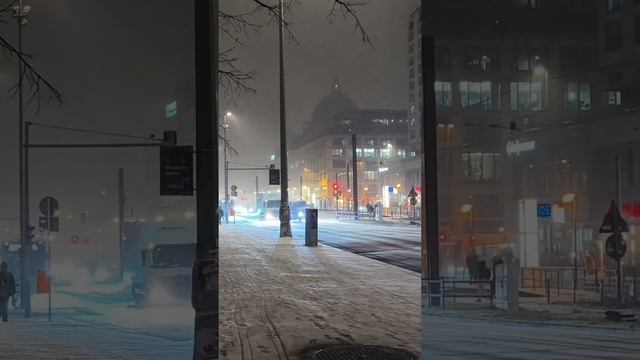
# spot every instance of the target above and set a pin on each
(450, 338)
(393, 244)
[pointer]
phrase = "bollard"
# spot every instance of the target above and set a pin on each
(311, 227)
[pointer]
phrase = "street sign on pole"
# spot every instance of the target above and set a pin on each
(49, 206)
(544, 210)
(613, 217)
(615, 241)
(176, 171)
(274, 176)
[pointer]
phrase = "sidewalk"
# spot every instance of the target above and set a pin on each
(279, 297)
(536, 311)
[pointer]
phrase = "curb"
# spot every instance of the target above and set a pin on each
(535, 323)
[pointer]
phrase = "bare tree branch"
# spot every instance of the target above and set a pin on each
(348, 10)
(31, 77)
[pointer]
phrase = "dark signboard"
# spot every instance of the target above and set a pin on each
(176, 171)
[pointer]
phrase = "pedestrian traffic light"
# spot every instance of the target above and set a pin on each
(335, 186)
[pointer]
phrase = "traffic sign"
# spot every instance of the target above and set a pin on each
(544, 210)
(51, 224)
(615, 241)
(176, 170)
(613, 216)
(412, 192)
(413, 201)
(49, 206)
(274, 176)
(234, 188)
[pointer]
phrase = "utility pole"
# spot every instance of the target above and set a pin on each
(26, 238)
(121, 205)
(225, 126)
(204, 296)
(285, 212)
(429, 224)
(616, 230)
(20, 12)
(257, 204)
(354, 154)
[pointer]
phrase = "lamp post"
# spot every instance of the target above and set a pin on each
(468, 209)
(21, 13)
(225, 126)
(571, 198)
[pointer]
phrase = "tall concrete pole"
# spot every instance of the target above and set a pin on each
(205, 287)
(225, 126)
(285, 212)
(25, 283)
(354, 155)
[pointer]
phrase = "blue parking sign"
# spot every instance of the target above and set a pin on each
(544, 210)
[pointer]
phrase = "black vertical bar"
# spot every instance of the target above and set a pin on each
(429, 225)
(616, 230)
(121, 205)
(354, 154)
(26, 290)
(285, 216)
(205, 294)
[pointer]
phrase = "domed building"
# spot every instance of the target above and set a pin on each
(321, 158)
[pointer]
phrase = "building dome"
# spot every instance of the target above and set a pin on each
(332, 104)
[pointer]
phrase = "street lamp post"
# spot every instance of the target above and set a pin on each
(571, 198)
(225, 126)
(21, 13)
(468, 209)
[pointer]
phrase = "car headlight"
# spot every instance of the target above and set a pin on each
(269, 217)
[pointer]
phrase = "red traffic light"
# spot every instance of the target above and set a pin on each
(335, 186)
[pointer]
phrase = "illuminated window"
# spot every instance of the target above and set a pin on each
(444, 93)
(578, 96)
(481, 166)
(526, 96)
(370, 175)
(402, 153)
(614, 98)
(369, 153)
(336, 152)
(385, 153)
(476, 95)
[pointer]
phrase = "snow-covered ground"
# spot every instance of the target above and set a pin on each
(280, 297)
(277, 297)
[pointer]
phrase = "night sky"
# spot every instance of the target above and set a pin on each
(118, 63)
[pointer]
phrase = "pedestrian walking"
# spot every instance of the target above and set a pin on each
(7, 290)
(220, 215)
(484, 274)
(472, 265)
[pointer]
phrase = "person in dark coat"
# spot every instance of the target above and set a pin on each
(472, 265)
(7, 290)
(220, 215)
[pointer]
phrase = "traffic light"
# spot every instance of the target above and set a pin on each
(335, 186)
(169, 138)
(335, 190)
(30, 234)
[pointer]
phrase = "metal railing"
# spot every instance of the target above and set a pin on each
(454, 289)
